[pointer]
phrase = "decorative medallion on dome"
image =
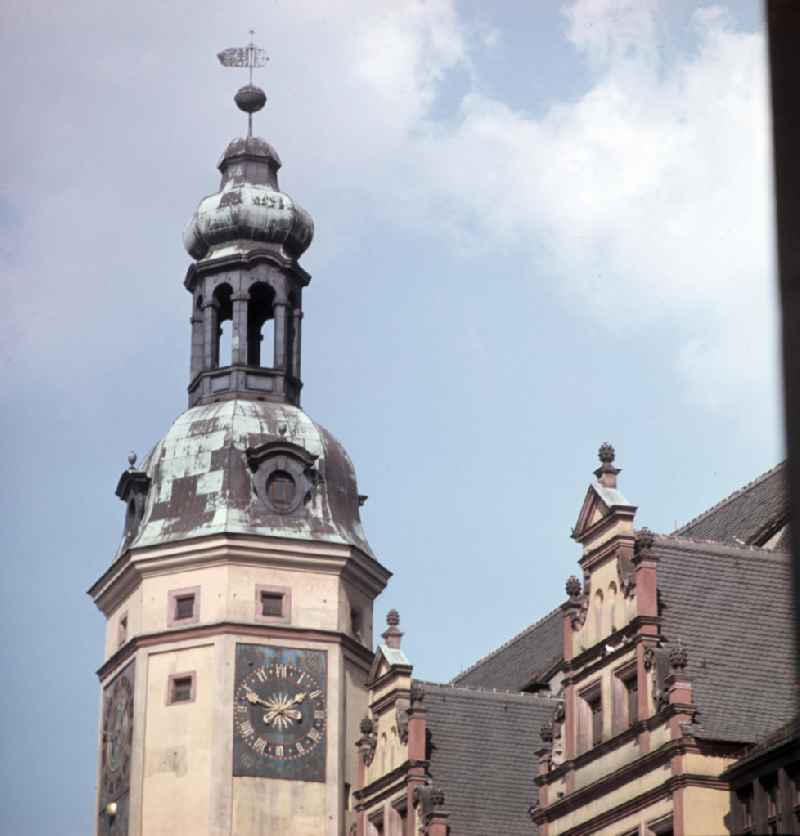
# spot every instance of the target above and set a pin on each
(283, 475)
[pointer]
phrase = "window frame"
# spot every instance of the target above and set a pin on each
(285, 593)
(591, 695)
(173, 678)
(172, 606)
(625, 692)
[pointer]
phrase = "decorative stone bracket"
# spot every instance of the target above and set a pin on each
(626, 571)
(656, 660)
(368, 742)
(578, 603)
(429, 798)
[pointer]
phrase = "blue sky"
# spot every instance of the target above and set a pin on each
(540, 226)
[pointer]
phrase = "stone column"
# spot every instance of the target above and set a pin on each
(279, 309)
(211, 334)
(297, 320)
(437, 824)
(239, 335)
(197, 344)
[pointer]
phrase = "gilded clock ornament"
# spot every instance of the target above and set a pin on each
(279, 712)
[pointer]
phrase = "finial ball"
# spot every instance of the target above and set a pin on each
(393, 618)
(606, 453)
(250, 98)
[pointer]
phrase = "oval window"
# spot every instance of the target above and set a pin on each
(281, 490)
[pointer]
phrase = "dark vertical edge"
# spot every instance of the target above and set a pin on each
(783, 24)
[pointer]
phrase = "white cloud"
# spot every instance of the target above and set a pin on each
(650, 193)
(646, 198)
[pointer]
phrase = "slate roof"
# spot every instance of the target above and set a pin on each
(750, 516)
(732, 608)
(786, 735)
(483, 746)
(516, 662)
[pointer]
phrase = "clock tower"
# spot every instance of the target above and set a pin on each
(239, 603)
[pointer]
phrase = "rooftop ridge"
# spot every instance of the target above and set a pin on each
(725, 549)
(503, 646)
(471, 690)
(728, 499)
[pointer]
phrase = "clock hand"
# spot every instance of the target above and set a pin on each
(254, 699)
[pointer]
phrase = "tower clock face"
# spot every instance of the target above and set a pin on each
(117, 736)
(279, 712)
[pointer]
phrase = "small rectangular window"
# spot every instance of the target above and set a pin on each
(596, 709)
(122, 630)
(272, 604)
(590, 718)
(355, 623)
(770, 785)
(184, 607)
(744, 797)
(181, 688)
(632, 699)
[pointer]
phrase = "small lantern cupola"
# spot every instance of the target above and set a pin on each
(246, 240)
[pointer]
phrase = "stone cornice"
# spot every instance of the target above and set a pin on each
(617, 513)
(251, 254)
(388, 700)
(127, 571)
(626, 773)
(633, 805)
(354, 650)
(625, 736)
(606, 550)
(387, 784)
(385, 678)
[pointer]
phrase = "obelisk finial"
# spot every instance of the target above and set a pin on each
(249, 98)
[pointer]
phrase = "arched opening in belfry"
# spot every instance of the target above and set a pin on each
(261, 326)
(223, 354)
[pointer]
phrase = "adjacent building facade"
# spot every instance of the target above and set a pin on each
(658, 698)
(240, 690)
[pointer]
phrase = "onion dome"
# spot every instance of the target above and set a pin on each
(249, 207)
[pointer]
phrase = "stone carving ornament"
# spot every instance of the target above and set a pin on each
(428, 797)
(283, 476)
(368, 742)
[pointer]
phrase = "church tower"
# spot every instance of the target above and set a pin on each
(239, 604)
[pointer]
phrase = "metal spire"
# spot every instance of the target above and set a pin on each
(249, 98)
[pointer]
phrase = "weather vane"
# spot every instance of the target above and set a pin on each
(249, 98)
